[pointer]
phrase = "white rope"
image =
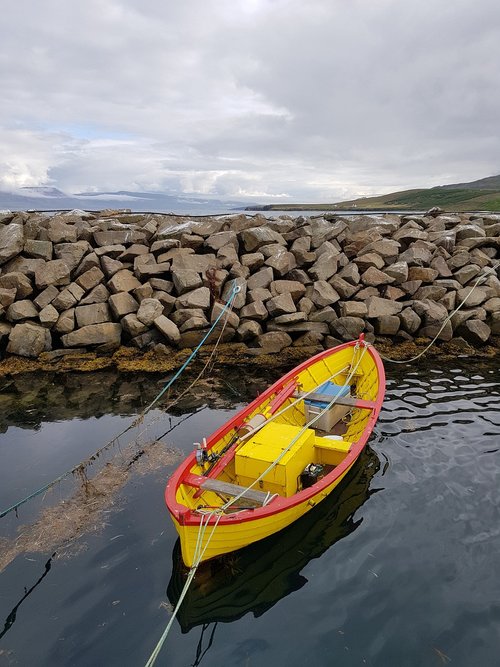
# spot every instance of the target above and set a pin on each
(478, 282)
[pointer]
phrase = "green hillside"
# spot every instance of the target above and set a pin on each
(481, 195)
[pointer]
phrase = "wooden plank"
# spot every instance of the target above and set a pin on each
(258, 497)
(349, 401)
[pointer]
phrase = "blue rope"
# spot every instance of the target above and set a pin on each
(45, 487)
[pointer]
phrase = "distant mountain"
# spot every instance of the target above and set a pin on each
(481, 195)
(50, 199)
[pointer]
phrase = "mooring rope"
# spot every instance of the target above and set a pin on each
(226, 309)
(205, 518)
(448, 318)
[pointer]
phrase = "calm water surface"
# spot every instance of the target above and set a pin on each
(400, 567)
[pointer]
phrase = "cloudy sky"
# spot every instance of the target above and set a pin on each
(268, 100)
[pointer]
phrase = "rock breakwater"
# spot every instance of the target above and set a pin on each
(97, 281)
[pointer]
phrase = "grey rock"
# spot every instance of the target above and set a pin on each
(280, 305)
(186, 281)
(253, 260)
(198, 298)
(229, 317)
(254, 311)
(326, 314)
(325, 266)
(100, 294)
(372, 277)
(7, 296)
(353, 309)
(410, 321)
(145, 291)
(475, 332)
(193, 324)
(48, 316)
(369, 260)
(398, 271)
(475, 298)
(94, 334)
(323, 294)
(350, 274)
(306, 305)
(440, 265)
(11, 242)
(387, 325)
(425, 274)
(17, 281)
(292, 287)
(111, 266)
(181, 316)
(39, 249)
(66, 322)
(21, 310)
(198, 263)
(95, 313)
(248, 330)
(149, 310)
(290, 318)
(55, 272)
(123, 281)
(168, 329)
(281, 261)
(59, 232)
(72, 253)
(262, 278)
(273, 342)
(343, 288)
(221, 239)
(29, 340)
(255, 237)
(132, 326)
(378, 307)
(123, 303)
(90, 279)
(347, 328)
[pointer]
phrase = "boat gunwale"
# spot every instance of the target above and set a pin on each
(187, 517)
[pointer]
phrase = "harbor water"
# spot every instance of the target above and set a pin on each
(398, 568)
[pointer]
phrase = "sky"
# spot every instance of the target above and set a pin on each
(258, 100)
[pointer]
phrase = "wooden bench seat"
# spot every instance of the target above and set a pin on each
(226, 488)
(342, 446)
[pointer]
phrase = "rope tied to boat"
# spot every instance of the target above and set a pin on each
(140, 418)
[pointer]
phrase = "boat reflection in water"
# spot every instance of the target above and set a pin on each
(253, 579)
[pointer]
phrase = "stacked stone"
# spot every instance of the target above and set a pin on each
(80, 280)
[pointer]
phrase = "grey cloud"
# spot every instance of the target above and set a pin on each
(316, 100)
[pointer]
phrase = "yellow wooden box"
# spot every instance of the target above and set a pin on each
(266, 445)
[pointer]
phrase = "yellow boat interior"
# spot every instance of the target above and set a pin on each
(292, 439)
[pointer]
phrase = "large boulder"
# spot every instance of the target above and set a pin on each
(17, 281)
(55, 272)
(94, 334)
(29, 340)
(93, 314)
(11, 241)
(168, 329)
(256, 237)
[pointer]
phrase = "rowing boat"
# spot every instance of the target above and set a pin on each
(254, 579)
(279, 456)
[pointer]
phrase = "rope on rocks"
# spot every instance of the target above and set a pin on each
(226, 309)
(481, 279)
